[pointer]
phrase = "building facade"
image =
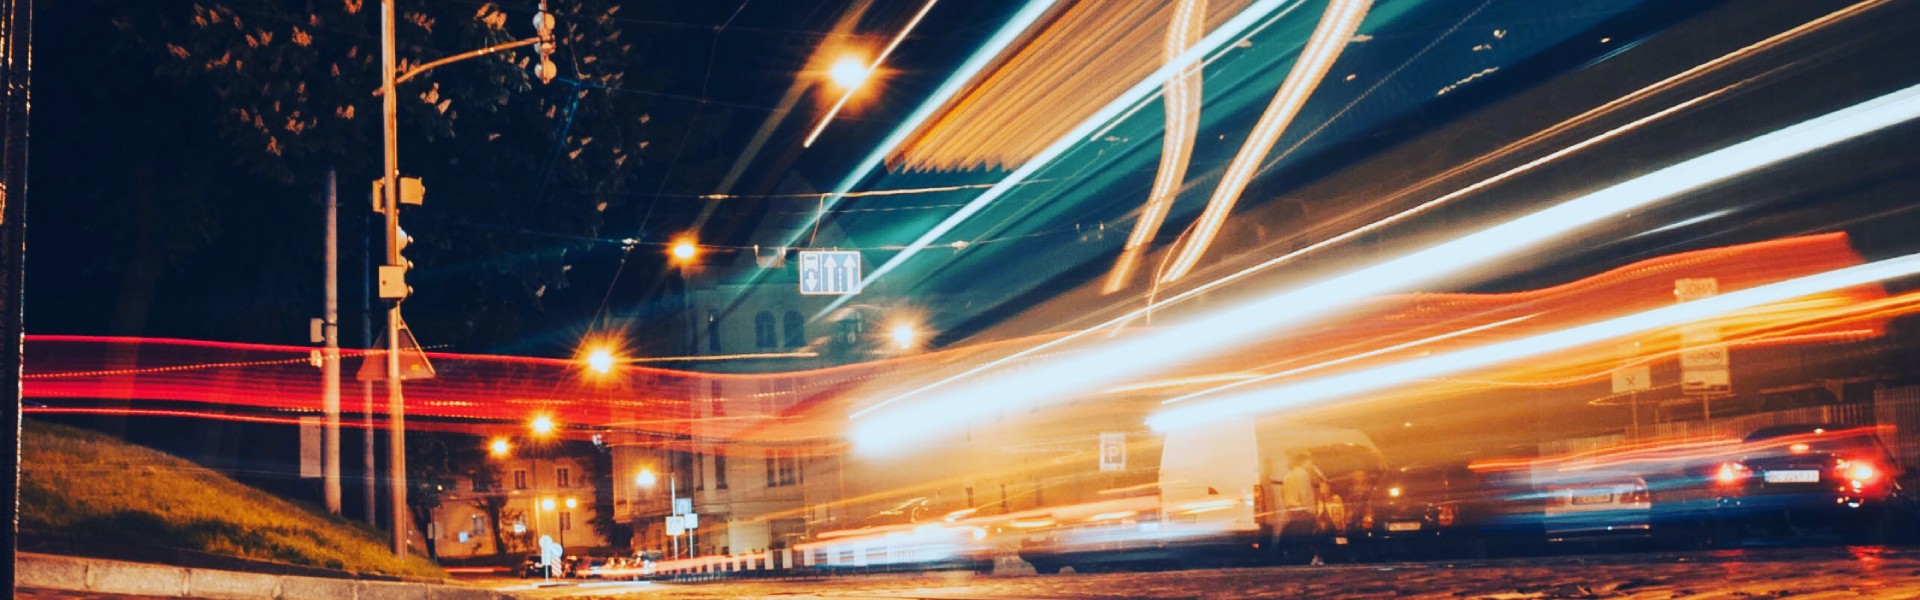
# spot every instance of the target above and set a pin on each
(550, 496)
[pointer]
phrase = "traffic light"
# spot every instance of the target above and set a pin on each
(543, 29)
(393, 278)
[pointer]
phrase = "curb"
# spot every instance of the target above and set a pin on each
(70, 573)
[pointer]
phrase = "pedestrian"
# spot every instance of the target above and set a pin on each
(1300, 503)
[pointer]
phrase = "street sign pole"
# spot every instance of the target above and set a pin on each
(390, 190)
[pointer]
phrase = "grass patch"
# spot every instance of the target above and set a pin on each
(90, 486)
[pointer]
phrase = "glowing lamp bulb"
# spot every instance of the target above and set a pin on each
(903, 336)
(542, 425)
(500, 447)
(848, 72)
(572, 503)
(684, 250)
(1393, 492)
(645, 478)
(547, 504)
(601, 361)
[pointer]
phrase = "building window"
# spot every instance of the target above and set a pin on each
(477, 526)
(480, 483)
(519, 479)
(850, 329)
(713, 331)
(719, 471)
(563, 476)
(699, 471)
(783, 467)
(763, 334)
(796, 330)
(566, 520)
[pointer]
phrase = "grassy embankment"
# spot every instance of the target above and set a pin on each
(84, 485)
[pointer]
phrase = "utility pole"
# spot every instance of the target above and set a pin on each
(366, 386)
(389, 203)
(330, 357)
(16, 89)
(389, 175)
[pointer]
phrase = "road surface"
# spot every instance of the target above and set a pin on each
(1836, 572)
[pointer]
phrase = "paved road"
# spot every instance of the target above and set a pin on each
(1841, 572)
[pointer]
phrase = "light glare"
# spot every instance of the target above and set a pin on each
(1226, 329)
(848, 72)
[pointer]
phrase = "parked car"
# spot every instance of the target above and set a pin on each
(1423, 510)
(1791, 479)
(530, 567)
(1596, 506)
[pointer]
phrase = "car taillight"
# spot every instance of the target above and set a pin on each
(1639, 496)
(1446, 516)
(1366, 519)
(1730, 474)
(1861, 472)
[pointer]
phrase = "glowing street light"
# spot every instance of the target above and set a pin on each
(546, 503)
(572, 503)
(683, 250)
(500, 448)
(903, 335)
(600, 360)
(848, 72)
(542, 425)
(646, 478)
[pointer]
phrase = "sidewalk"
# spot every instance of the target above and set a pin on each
(52, 576)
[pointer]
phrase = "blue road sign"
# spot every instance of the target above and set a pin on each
(829, 272)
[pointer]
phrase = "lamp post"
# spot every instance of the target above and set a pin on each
(539, 428)
(647, 479)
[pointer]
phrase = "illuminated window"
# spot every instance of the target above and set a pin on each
(564, 476)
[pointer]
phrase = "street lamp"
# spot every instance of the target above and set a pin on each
(541, 425)
(600, 360)
(848, 72)
(684, 250)
(500, 447)
(646, 479)
(903, 336)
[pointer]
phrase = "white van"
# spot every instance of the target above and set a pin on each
(1219, 496)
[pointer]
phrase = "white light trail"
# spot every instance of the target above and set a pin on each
(1385, 377)
(1329, 39)
(1345, 359)
(1158, 350)
(1229, 31)
(1309, 249)
(868, 74)
(1182, 100)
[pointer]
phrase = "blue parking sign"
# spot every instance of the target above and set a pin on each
(829, 272)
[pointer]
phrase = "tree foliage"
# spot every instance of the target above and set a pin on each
(518, 173)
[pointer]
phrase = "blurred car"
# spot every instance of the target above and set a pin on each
(1422, 510)
(1595, 506)
(1801, 477)
(530, 567)
(593, 567)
